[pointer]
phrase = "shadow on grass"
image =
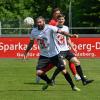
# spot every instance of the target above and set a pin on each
(36, 90)
(31, 83)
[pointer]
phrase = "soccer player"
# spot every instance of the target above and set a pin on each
(49, 52)
(65, 52)
(54, 22)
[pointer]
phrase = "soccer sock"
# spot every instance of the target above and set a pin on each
(56, 72)
(45, 78)
(69, 79)
(72, 68)
(79, 71)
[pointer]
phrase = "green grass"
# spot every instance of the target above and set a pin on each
(17, 82)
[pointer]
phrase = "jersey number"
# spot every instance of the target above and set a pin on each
(42, 43)
(60, 39)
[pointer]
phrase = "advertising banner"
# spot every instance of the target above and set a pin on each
(14, 47)
(87, 47)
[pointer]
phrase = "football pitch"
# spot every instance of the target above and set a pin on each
(17, 82)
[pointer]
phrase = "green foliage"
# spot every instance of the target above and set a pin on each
(84, 12)
(87, 12)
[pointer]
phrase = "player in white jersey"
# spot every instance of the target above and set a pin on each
(45, 42)
(62, 42)
(49, 53)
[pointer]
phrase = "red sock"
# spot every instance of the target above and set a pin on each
(72, 68)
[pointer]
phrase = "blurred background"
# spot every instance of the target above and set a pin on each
(82, 16)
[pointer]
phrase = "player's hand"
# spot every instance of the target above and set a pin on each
(75, 35)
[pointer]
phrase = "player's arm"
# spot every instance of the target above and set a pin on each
(67, 34)
(30, 45)
(55, 29)
(71, 45)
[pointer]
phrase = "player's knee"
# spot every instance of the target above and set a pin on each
(64, 71)
(39, 72)
(77, 62)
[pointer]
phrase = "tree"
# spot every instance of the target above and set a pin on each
(86, 13)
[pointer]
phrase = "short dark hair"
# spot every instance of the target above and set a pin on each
(40, 17)
(61, 15)
(56, 9)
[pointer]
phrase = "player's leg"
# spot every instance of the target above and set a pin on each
(58, 62)
(71, 57)
(73, 70)
(69, 79)
(42, 69)
(56, 72)
(42, 63)
(68, 56)
(43, 76)
(72, 67)
(79, 70)
(47, 68)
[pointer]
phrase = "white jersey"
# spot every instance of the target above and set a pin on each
(45, 39)
(61, 39)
